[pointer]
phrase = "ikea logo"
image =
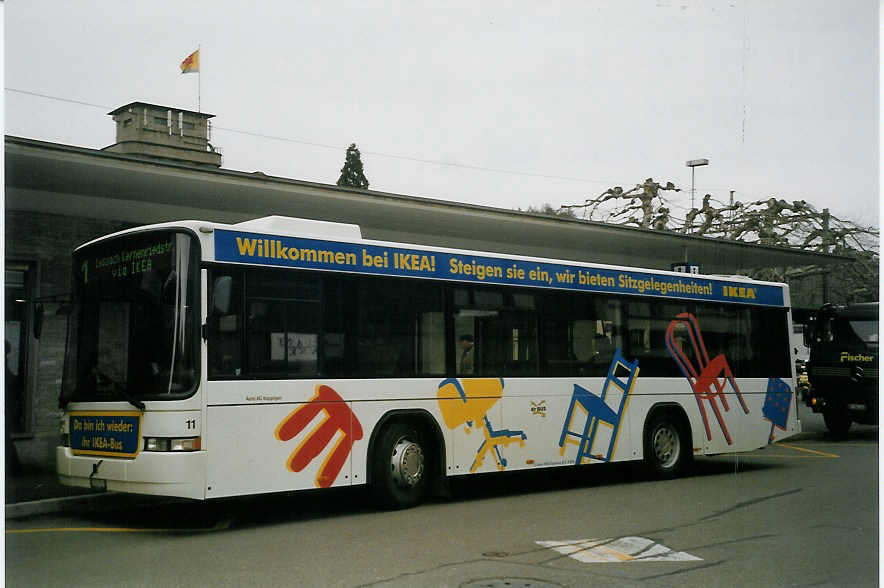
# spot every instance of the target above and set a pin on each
(738, 292)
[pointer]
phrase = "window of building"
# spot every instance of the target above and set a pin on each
(20, 294)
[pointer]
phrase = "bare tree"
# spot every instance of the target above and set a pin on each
(774, 221)
(642, 204)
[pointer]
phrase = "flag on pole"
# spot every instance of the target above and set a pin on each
(192, 63)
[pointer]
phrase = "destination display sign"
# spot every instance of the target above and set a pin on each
(133, 258)
(254, 248)
(114, 434)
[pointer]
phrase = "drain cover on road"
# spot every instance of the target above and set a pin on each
(624, 549)
(510, 583)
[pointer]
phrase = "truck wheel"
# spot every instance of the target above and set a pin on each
(837, 421)
(667, 445)
(399, 468)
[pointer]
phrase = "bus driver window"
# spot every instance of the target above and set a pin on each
(225, 326)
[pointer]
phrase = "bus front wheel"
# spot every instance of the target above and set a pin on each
(667, 445)
(399, 472)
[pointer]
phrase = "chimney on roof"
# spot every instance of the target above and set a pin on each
(160, 132)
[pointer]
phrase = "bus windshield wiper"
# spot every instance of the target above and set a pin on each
(121, 390)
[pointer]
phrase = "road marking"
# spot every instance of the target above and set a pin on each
(783, 456)
(813, 451)
(80, 530)
(871, 444)
(624, 549)
(767, 454)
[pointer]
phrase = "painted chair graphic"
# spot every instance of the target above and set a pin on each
(599, 412)
(467, 402)
(706, 375)
(777, 403)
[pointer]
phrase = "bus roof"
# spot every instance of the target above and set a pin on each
(280, 241)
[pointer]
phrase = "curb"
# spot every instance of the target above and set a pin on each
(50, 505)
(76, 504)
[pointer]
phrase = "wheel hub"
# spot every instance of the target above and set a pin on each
(666, 446)
(407, 463)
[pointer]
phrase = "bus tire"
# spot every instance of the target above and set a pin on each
(837, 421)
(667, 445)
(400, 467)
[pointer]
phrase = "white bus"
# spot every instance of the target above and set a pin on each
(208, 360)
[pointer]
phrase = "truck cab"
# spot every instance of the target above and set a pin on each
(843, 365)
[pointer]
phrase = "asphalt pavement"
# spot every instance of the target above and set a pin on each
(32, 491)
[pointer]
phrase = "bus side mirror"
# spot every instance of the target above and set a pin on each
(808, 337)
(221, 294)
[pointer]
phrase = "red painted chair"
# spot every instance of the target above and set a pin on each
(708, 374)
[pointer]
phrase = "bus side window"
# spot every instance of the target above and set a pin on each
(495, 332)
(581, 332)
(648, 322)
(339, 324)
(400, 329)
(225, 325)
(282, 323)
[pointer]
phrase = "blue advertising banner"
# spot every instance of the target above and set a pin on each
(105, 433)
(254, 248)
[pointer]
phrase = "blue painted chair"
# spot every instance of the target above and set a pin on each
(599, 411)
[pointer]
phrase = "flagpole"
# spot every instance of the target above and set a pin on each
(192, 65)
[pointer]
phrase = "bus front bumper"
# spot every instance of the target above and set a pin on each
(179, 474)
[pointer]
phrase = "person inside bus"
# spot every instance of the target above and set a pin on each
(604, 349)
(466, 355)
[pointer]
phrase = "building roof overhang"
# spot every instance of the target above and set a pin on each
(75, 181)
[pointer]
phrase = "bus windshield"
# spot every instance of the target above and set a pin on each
(131, 334)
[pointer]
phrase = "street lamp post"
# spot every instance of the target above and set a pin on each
(694, 163)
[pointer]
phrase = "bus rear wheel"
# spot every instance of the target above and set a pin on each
(667, 445)
(399, 468)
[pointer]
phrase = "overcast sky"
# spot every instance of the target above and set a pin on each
(510, 104)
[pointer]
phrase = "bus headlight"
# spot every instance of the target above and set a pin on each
(172, 443)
